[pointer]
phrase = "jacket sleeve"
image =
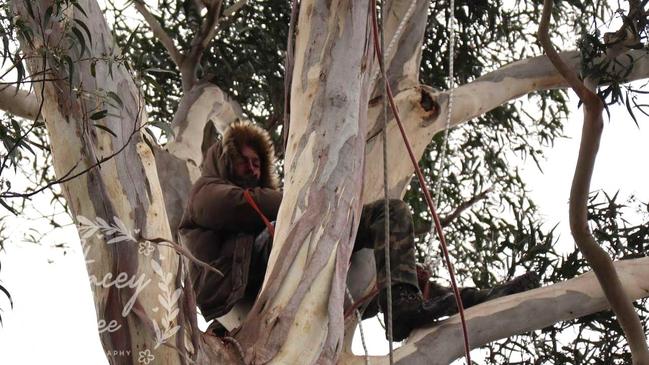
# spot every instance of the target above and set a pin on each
(223, 207)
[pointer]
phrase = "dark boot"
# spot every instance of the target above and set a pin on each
(444, 301)
(518, 284)
(472, 296)
(408, 310)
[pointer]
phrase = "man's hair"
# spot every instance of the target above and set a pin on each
(241, 134)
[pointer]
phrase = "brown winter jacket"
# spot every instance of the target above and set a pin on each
(219, 226)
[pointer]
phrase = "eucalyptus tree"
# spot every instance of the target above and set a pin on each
(125, 112)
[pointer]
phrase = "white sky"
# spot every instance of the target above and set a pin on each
(53, 320)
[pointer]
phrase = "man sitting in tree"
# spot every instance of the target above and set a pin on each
(222, 228)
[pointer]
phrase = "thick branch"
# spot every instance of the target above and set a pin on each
(405, 25)
(423, 109)
(160, 33)
(597, 258)
(20, 103)
(515, 314)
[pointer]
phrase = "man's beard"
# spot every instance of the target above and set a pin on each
(247, 182)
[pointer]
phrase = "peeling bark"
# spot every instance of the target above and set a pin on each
(423, 110)
(303, 293)
(124, 188)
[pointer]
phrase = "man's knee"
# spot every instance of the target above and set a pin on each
(400, 208)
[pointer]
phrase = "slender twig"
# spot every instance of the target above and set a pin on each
(209, 24)
(234, 8)
(68, 175)
(199, 43)
(425, 228)
(181, 250)
(464, 206)
(160, 33)
(578, 208)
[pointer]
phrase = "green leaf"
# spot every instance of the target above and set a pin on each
(159, 70)
(81, 39)
(76, 5)
(99, 115)
(68, 60)
(130, 38)
(110, 68)
(85, 28)
(104, 128)
(20, 70)
(30, 10)
(48, 15)
(5, 44)
(115, 97)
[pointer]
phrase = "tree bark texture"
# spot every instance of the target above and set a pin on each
(120, 195)
(304, 288)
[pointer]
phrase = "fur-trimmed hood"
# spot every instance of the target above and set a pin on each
(219, 158)
(219, 226)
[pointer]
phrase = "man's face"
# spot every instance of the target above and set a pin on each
(247, 168)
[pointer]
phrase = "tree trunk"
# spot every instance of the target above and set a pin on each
(298, 316)
(118, 202)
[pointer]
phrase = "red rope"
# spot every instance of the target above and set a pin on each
(251, 201)
(422, 183)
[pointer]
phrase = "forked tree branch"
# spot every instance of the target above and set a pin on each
(597, 258)
(160, 33)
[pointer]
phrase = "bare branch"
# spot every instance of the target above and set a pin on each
(199, 43)
(597, 258)
(514, 314)
(569, 74)
(208, 30)
(18, 102)
(234, 8)
(426, 227)
(464, 206)
(160, 33)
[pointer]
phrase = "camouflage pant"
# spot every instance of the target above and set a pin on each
(370, 235)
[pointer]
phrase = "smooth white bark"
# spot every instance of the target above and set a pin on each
(20, 103)
(515, 314)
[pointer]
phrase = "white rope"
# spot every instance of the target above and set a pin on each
(386, 208)
(431, 260)
(388, 277)
(401, 27)
(397, 34)
(359, 318)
